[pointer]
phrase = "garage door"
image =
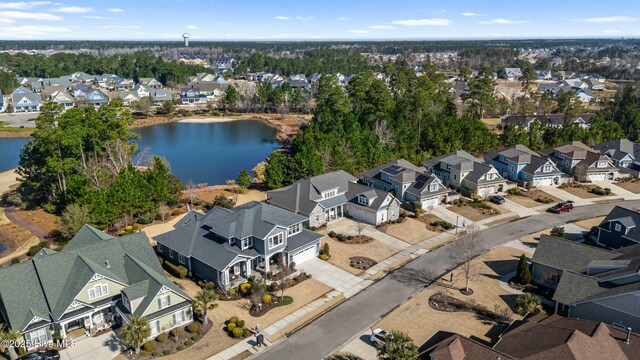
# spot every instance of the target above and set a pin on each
(430, 202)
(486, 191)
(544, 182)
(598, 177)
(303, 255)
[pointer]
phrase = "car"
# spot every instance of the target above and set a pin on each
(42, 355)
(378, 336)
(564, 206)
(32, 356)
(497, 199)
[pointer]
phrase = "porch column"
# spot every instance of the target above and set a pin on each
(266, 263)
(248, 268)
(555, 311)
(63, 331)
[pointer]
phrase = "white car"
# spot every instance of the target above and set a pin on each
(378, 336)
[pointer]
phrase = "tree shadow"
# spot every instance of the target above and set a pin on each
(502, 267)
(113, 343)
(510, 300)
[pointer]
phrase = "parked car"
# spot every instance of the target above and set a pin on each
(42, 355)
(497, 199)
(564, 206)
(378, 336)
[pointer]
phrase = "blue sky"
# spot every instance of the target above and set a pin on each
(318, 20)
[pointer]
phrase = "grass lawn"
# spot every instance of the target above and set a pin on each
(341, 252)
(528, 198)
(475, 214)
(583, 191)
(40, 218)
(589, 223)
(633, 186)
(410, 231)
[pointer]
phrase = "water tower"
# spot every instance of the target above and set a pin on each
(186, 36)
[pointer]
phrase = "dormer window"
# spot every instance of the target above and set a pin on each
(490, 176)
(247, 242)
(433, 187)
(329, 194)
(362, 200)
(294, 229)
(546, 168)
(602, 164)
(618, 228)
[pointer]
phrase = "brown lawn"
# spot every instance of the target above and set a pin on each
(533, 239)
(589, 223)
(528, 198)
(583, 191)
(475, 214)
(341, 252)
(410, 231)
(15, 238)
(40, 218)
(633, 186)
(208, 193)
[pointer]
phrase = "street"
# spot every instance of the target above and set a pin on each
(329, 332)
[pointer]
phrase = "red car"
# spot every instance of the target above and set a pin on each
(565, 206)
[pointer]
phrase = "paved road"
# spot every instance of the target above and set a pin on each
(332, 330)
(10, 213)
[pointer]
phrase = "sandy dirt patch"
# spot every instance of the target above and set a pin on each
(475, 214)
(410, 231)
(589, 223)
(341, 252)
(208, 193)
(161, 228)
(39, 218)
(15, 238)
(8, 181)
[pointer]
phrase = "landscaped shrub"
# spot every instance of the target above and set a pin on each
(245, 288)
(15, 260)
(155, 353)
(240, 323)
(514, 191)
(544, 200)
(332, 234)
(143, 353)
(166, 352)
(178, 271)
(193, 328)
(188, 343)
(231, 326)
(149, 346)
(444, 224)
(195, 338)
(175, 212)
(234, 319)
(210, 285)
(246, 332)
(146, 218)
(238, 333)
(180, 348)
(233, 291)
(324, 256)
(599, 191)
(607, 191)
(341, 237)
(476, 204)
(36, 248)
(285, 301)
(325, 249)
(557, 231)
(162, 338)
(266, 299)
(160, 260)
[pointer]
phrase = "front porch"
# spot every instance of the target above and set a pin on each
(334, 213)
(98, 320)
(241, 271)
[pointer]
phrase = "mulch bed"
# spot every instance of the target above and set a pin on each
(361, 262)
(446, 303)
(171, 344)
(351, 240)
(256, 311)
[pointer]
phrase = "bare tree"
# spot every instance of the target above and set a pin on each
(163, 211)
(282, 276)
(463, 252)
(360, 226)
(191, 188)
(232, 183)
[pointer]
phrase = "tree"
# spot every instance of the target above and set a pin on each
(360, 227)
(231, 98)
(558, 231)
(6, 336)
(177, 333)
(275, 172)
(168, 107)
(73, 218)
(523, 273)
(258, 290)
(463, 252)
(528, 304)
(204, 301)
(282, 276)
(141, 106)
(480, 95)
(244, 179)
(164, 211)
(135, 332)
(223, 201)
(397, 346)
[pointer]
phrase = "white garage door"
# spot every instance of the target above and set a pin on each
(430, 202)
(303, 255)
(598, 177)
(544, 182)
(485, 191)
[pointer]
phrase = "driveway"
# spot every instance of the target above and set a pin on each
(367, 307)
(361, 346)
(518, 209)
(332, 276)
(103, 347)
(563, 195)
(350, 227)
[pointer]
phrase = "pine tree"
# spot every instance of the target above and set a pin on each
(523, 274)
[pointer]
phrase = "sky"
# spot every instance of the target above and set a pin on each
(318, 20)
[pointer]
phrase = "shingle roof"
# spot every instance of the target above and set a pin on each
(458, 347)
(629, 217)
(568, 255)
(618, 149)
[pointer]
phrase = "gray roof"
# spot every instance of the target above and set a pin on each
(460, 160)
(33, 98)
(302, 239)
(478, 171)
(618, 149)
(628, 217)
(400, 170)
(536, 162)
(422, 186)
(564, 254)
(378, 196)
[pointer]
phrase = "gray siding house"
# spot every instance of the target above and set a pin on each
(524, 166)
(624, 154)
(590, 283)
(619, 229)
(228, 245)
(582, 162)
(328, 197)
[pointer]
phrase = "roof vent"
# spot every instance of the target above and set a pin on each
(108, 264)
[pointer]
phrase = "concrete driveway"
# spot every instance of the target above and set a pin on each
(333, 276)
(361, 346)
(518, 209)
(350, 227)
(103, 347)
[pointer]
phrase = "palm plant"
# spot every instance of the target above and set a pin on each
(527, 303)
(136, 332)
(397, 346)
(5, 338)
(204, 301)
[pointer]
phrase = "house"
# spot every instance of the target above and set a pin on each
(202, 78)
(160, 96)
(123, 84)
(511, 74)
(619, 229)
(563, 75)
(328, 197)
(595, 83)
(549, 120)
(228, 245)
(194, 60)
(151, 83)
(314, 78)
(539, 337)
(96, 98)
(525, 166)
(81, 90)
(128, 97)
(543, 74)
(463, 171)
(624, 153)
(108, 80)
(95, 281)
(82, 78)
(192, 96)
(582, 162)
(142, 90)
(3, 103)
(63, 98)
(408, 183)
(25, 100)
(590, 282)
(299, 81)
(223, 64)
(212, 90)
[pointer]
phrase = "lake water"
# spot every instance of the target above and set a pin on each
(10, 152)
(210, 153)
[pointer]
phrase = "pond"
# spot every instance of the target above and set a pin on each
(10, 152)
(209, 152)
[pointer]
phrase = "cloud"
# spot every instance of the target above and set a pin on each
(72, 10)
(504, 21)
(472, 14)
(342, 18)
(608, 31)
(115, 10)
(192, 27)
(381, 27)
(23, 5)
(304, 17)
(21, 15)
(30, 30)
(359, 31)
(7, 21)
(608, 19)
(282, 17)
(96, 17)
(121, 27)
(423, 22)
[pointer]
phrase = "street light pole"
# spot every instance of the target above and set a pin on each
(457, 224)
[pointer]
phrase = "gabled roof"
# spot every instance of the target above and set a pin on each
(375, 196)
(458, 347)
(97, 95)
(536, 162)
(628, 217)
(574, 150)
(460, 160)
(565, 254)
(619, 149)
(422, 186)
(399, 170)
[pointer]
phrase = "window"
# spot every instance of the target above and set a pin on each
(546, 168)
(329, 194)
(38, 336)
(181, 259)
(159, 249)
(178, 318)
(155, 327)
(276, 240)
(294, 229)
(618, 227)
(602, 164)
(490, 176)
(170, 253)
(97, 291)
(247, 242)
(434, 187)
(164, 301)
(362, 200)
(551, 278)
